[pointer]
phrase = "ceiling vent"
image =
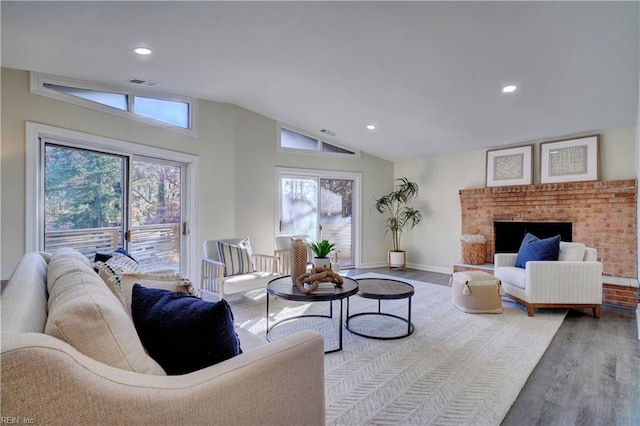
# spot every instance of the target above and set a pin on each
(328, 132)
(143, 82)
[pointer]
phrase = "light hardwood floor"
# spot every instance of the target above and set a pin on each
(589, 375)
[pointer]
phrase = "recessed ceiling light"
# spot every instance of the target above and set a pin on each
(142, 51)
(509, 88)
(371, 127)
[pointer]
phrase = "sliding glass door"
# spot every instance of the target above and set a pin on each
(299, 206)
(156, 212)
(84, 199)
(97, 201)
(336, 216)
(319, 205)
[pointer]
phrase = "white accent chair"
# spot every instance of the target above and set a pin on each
(263, 269)
(573, 281)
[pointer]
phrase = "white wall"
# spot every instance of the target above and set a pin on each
(237, 151)
(434, 244)
(255, 174)
(216, 135)
(1, 177)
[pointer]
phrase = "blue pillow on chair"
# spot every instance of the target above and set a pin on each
(533, 248)
(183, 333)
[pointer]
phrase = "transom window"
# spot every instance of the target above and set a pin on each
(172, 112)
(113, 100)
(166, 111)
(293, 140)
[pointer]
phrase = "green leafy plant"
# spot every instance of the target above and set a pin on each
(322, 249)
(399, 214)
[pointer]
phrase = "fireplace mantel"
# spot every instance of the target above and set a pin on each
(603, 214)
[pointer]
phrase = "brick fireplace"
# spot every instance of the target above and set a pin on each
(602, 214)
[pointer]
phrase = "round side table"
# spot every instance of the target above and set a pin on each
(383, 289)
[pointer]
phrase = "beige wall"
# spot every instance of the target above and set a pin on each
(238, 156)
(237, 151)
(1, 239)
(257, 158)
(434, 244)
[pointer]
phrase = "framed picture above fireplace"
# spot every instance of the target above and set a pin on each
(569, 160)
(510, 166)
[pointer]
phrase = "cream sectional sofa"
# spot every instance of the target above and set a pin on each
(71, 355)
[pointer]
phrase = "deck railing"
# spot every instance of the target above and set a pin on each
(154, 246)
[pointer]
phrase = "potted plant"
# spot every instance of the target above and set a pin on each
(321, 251)
(399, 214)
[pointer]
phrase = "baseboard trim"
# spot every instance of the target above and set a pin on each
(420, 267)
(372, 265)
(429, 268)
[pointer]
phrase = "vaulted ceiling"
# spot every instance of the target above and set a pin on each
(428, 75)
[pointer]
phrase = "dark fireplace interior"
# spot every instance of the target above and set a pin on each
(509, 235)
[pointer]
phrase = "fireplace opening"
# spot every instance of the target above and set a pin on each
(508, 235)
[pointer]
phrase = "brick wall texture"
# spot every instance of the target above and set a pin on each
(603, 216)
(620, 296)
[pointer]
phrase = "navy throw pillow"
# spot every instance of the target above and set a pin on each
(183, 333)
(103, 257)
(533, 248)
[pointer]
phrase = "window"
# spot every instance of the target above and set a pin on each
(95, 193)
(114, 100)
(172, 112)
(291, 140)
(321, 204)
(160, 110)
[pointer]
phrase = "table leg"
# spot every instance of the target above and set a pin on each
(267, 330)
(347, 322)
(409, 317)
(406, 319)
(340, 326)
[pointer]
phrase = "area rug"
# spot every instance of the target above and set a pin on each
(456, 368)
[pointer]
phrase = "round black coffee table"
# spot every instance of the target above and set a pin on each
(383, 289)
(283, 288)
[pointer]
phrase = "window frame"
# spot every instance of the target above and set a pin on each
(38, 80)
(36, 134)
(280, 148)
(356, 177)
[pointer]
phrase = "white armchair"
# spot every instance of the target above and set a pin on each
(573, 281)
(239, 271)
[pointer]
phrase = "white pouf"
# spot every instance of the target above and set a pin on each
(476, 292)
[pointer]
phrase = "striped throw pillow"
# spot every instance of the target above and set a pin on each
(111, 271)
(236, 258)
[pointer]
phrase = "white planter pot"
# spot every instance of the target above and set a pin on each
(321, 262)
(397, 259)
